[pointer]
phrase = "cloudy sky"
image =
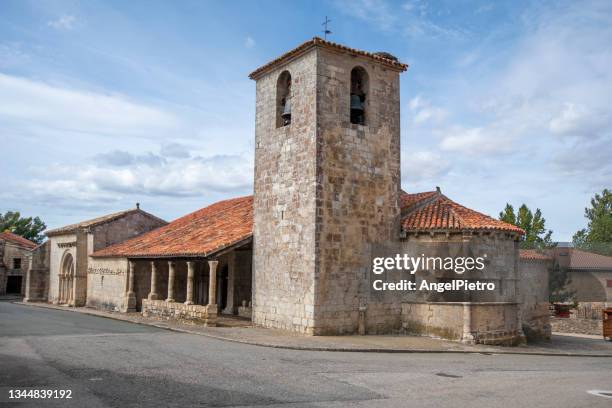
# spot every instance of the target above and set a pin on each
(103, 104)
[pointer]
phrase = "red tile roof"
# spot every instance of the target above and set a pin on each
(383, 58)
(533, 254)
(432, 211)
(200, 233)
(230, 222)
(98, 221)
(17, 240)
(579, 259)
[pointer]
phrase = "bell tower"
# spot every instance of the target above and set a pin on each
(327, 183)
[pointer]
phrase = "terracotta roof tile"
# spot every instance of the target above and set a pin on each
(434, 211)
(588, 260)
(533, 254)
(17, 239)
(97, 221)
(200, 233)
(319, 42)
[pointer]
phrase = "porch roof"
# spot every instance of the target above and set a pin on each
(202, 233)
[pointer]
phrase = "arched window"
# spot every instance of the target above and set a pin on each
(359, 92)
(68, 265)
(283, 99)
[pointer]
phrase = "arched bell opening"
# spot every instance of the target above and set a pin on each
(283, 99)
(359, 93)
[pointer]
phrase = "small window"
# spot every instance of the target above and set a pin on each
(359, 92)
(16, 263)
(609, 283)
(283, 100)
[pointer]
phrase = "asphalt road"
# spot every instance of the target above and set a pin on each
(108, 363)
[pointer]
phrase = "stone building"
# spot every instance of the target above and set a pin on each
(590, 274)
(193, 268)
(70, 247)
(14, 262)
(327, 201)
(37, 278)
(535, 267)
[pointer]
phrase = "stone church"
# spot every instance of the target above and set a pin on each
(297, 255)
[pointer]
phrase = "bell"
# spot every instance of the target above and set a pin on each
(356, 103)
(287, 110)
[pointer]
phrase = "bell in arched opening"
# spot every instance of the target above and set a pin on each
(283, 99)
(286, 115)
(358, 95)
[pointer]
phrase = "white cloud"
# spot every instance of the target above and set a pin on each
(249, 42)
(474, 141)
(31, 103)
(423, 111)
(64, 22)
(120, 174)
(375, 12)
(424, 167)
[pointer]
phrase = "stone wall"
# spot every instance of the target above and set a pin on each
(106, 283)
(581, 326)
(469, 322)
(535, 315)
(119, 230)
(197, 314)
(10, 254)
(59, 246)
(325, 190)
(37, 280)
(284, 201)
(358, 186)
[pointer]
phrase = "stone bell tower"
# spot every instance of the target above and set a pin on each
(327, 183)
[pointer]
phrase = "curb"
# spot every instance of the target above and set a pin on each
(315, 348)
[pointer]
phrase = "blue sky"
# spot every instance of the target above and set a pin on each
(103, 104)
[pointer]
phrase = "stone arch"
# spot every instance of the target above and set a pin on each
(66, 280)
(283, 99)
(360, 88)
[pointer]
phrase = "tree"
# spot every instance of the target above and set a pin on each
(597, 236)
(28, 227)
(558, 281)
(534, 225)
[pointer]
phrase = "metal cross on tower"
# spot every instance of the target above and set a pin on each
(326, 30)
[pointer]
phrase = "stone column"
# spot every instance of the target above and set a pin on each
(190, 272)
(231, 273)
(467, 336)
(28, 280)
(171, 273)
(70, 290)
(131, 296)
(153, 292)
(60, 288)
(212, 282)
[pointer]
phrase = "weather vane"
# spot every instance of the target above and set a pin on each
(326, 30)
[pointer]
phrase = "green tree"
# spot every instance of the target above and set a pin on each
(558, 280)
(534, 225)
(28, 227)
(597, 236)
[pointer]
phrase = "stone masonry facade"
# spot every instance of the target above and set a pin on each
(325, 191)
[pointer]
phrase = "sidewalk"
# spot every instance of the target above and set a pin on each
(244, 333)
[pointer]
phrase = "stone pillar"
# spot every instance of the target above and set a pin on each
(467, 336)
(131, 296)
(70, 290)
(153, 291)
(171, 273)
(190, 273)
(28, 280)
(60, 288)
(212, 283)
(231, 273)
